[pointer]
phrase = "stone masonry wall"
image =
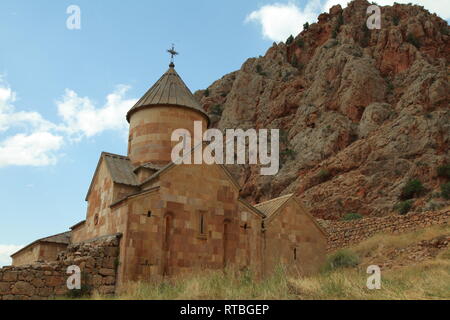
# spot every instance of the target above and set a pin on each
(342, 234)
(97, 260)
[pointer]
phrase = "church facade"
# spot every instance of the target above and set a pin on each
(175, 219)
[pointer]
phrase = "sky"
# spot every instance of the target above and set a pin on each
(64, 92)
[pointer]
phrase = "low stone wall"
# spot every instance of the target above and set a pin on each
(97, 260)
(342, 234)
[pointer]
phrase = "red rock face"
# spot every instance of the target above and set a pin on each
(361, 111)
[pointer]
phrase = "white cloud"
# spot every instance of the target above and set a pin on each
(5, 252)
(82, 118)
(36, 149)
(27, 139)
(279, 20)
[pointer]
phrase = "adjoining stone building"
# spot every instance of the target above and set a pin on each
(179, 218)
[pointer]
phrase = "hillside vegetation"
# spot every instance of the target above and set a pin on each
(363, 114)
(420, 269)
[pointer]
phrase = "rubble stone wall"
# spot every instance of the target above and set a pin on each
(97, 260)
(342, 234)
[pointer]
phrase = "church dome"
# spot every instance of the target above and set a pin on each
(169, 90)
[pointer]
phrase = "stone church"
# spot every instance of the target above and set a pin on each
(176, 219)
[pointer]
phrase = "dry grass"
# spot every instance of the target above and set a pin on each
(426, 280)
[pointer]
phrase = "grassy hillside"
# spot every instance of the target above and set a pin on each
(414, 271)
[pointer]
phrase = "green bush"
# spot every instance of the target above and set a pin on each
(403, 207)
(352, 216)
(290, 39)
(342, 259)
(300, 43)
(217, 110)
(306, 26)
(206, 93)
(413, 40)
(444, 171)
(445, 191)
(396, 20)
(324, 175)
(412, 189)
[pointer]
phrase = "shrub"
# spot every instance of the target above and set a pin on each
(217, 110)
(412, 189)
(444, 171)
(300, 43)
(85, 291)
(445, 191)
(352, 216)
(306, 26)
(366, 36)
(259, 70)
(342, 259)
(396, 20)
(403, 207)
(288, 153)
(413, 40)
(294, 62)
(290, 39)
(206, 93)
(390, 87)
(324, 175)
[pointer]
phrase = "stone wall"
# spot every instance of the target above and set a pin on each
(97, 260)
(342, 234)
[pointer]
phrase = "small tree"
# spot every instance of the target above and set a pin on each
(306, 26)
(412, 189)
(217, 110)
(396, 20)
(403, 207)
(444, 171)
(445, 191)
(290, 39)
(342, 259)
(413, 40)
(352, 216)
(324, 175)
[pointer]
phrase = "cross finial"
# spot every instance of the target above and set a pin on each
(173, 53)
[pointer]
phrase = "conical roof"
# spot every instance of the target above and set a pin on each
(168, 90)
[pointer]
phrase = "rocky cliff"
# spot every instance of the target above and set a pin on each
(361, 112)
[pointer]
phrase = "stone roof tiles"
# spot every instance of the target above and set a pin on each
(61, 238)
(121, 169)
(168, 90)
(271, 206)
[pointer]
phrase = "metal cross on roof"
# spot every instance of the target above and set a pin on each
(173, 53)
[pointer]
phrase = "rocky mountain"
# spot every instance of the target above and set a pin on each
(361, 112)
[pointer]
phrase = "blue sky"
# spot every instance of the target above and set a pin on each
(64, 93)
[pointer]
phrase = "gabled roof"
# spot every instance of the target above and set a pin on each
(61, 238)
(172, 164)
(120, 169)
(272, 206)
(168, 90)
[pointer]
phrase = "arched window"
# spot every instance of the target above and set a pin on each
(168, 226)
(202, 224)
